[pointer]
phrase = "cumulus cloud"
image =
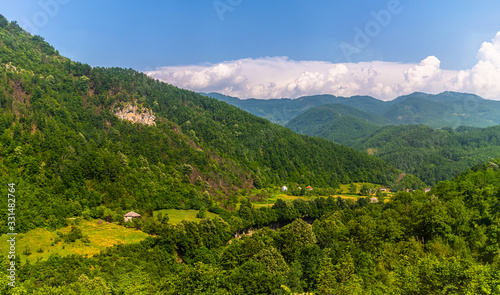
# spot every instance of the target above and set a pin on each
(278, 77)
(485, 75)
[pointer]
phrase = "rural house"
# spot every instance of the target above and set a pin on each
(131, 215)
(284, 189)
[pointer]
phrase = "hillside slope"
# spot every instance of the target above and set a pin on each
(338, 123)
(447, 109)
(433, 154)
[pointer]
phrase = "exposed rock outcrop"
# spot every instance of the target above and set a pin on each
(136, 114)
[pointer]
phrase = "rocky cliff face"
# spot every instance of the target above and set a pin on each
(136, 114)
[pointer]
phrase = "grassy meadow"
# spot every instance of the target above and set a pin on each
(175, 216)
(344, 188)
(40, 240)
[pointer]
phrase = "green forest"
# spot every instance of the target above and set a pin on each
(442, 242)
(67, 157)
(430, 154)
(337, 123)
(433, 137)
(433, 154)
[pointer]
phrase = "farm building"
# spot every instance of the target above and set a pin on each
(131, 215)
(284, 189)
(309, 188)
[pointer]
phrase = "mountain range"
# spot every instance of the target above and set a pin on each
(447, 109)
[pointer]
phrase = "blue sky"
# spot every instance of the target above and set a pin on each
(167, 34)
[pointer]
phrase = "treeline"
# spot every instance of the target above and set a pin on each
(441, 242)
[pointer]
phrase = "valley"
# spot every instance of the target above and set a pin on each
(434, 137)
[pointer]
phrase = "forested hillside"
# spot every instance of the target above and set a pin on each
(67, 151)
(338, 123)
(433, 154)
(447, 109)
(442, 242)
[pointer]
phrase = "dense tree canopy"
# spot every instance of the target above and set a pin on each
(430, 154)
(417, 243)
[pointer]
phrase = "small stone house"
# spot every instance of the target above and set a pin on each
(131, 215)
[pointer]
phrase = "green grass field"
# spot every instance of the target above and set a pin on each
(100, 236)
(345, 187)
(345, 195)
(175, 216)
(273, 198)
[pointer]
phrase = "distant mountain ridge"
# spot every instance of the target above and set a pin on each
(404, 132)
(447, 109)
(281, 111)
(336, 122)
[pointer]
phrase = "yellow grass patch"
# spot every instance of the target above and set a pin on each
(100, 237)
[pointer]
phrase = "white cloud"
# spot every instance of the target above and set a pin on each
(485, 75)
(422, 74)
(277, 77)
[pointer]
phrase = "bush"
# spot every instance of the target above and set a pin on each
(27, 251)
(202, 213)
